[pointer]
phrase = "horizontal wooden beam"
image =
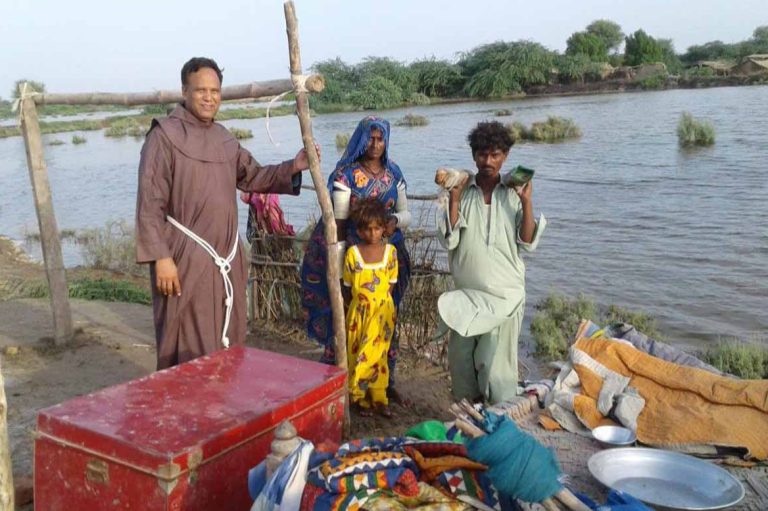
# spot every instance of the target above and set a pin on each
(314, 83)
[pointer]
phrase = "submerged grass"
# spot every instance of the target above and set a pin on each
(554, 129)
(342, 140)
(503, 112)
(694, 133)
(412, 120)
(241, 133)
(110, 248)
(76, 139)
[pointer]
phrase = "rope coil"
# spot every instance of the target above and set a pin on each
(224, 264)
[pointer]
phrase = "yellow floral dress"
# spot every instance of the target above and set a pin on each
(370, 324)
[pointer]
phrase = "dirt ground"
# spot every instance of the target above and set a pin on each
(115, 343)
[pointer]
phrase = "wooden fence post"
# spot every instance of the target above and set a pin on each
(6, 474)
(323, 197)
(46, 220)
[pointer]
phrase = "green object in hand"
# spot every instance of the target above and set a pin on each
(519, 175)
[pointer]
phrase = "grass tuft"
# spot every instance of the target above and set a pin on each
(241, 133)
(412, 120)
(693, 133)
(342, 140)
(554, 129)
(76, 139)
(742, 359)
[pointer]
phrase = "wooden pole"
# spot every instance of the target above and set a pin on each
(315, 83)
(6, 474)
(46, 220)
(324, 198)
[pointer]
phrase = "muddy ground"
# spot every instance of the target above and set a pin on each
(115, 343)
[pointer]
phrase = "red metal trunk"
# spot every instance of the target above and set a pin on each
(183, 438)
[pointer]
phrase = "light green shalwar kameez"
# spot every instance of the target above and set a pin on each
(485, 311)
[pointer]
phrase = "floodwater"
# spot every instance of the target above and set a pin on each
(633, 219)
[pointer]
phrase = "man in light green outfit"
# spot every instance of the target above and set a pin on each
(486, 225)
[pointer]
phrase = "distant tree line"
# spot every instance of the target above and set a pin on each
(507, 68)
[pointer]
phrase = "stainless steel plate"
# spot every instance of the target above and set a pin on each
(665, 478)
(614, 435)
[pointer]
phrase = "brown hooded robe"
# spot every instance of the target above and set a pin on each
(189, 170)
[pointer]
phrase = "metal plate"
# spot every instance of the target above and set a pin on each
(665, 478)
(614, 435)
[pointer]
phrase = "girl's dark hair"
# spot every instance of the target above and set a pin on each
(368, 211)
(489, 136)
(195, 64)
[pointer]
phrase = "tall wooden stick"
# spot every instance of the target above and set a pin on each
(324, 198)
(6, 475)
(46, 219)
(249, 90)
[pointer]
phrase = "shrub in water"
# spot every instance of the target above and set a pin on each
(554, 129)
(342, 139)
(78, 140)
(691, 132)
(110, 248)
(502, 113)
(412, 120)
(241, 133)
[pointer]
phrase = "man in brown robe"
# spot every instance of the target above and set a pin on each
(190, 167)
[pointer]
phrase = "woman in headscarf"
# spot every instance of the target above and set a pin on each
(364, 170)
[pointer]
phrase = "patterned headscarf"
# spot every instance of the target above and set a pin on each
(358, 143)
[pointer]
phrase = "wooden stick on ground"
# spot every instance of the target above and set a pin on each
(6, 475)
(467, 406)
(324, 198)
(570, 500)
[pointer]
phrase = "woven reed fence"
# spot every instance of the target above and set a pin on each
(275, 284)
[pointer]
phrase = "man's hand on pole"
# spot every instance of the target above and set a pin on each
(301, 161)
(167, 277)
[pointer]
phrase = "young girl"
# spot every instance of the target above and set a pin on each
(370, 273)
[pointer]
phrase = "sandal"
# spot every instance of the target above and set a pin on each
(398, 398)
(363, 412)
(384, 411)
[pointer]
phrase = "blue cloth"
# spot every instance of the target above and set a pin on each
(518, 465)
(314, 284)
(358, 143)
(616, 501)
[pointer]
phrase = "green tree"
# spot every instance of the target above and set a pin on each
(760, 34)
(640, 48)
(584, 43)
(609, 32)
(669, 57)
(32, 87)
(502, 68)
(394, 71)
(572, 68)
(376, 93)
(340, 80)
(437, 78)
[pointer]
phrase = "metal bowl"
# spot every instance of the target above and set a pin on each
(614, 435)
(664, 478)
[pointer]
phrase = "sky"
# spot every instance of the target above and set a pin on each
(140, 45)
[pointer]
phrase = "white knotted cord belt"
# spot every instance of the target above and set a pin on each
(225, 265)
(299, 85)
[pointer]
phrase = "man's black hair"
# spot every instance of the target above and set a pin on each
(490, 135)
(195, 64)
